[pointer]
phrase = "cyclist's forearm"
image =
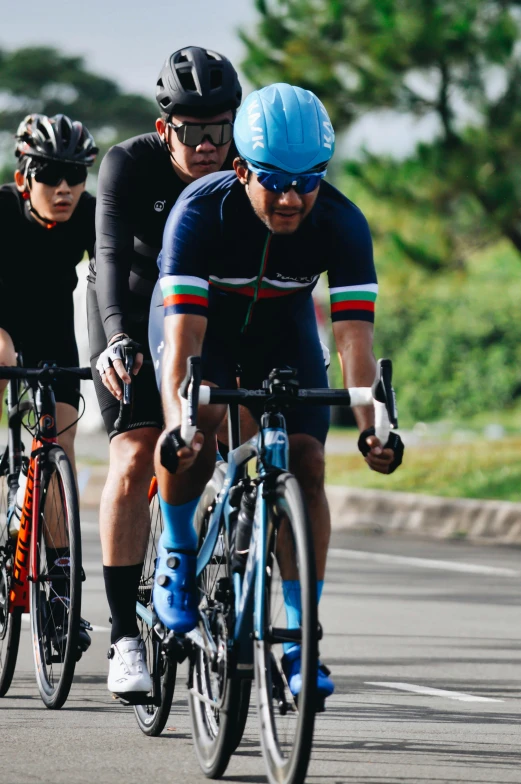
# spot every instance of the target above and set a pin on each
(354, 340)
(184, 335)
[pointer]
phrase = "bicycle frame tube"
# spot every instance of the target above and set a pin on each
(25, 554)
(276, 454)
(237, 459)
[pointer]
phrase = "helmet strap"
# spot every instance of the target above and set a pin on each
(48, 224)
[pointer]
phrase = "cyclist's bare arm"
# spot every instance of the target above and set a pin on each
(183, 335)
(354, 341)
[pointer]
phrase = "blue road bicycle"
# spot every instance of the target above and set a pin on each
(254, 531)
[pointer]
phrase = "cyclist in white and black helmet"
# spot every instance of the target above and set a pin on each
(47, 225)
(198, 93)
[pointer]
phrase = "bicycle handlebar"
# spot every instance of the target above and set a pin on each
(380, 396)
(46, 372)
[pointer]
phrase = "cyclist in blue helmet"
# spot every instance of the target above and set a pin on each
(236, 288)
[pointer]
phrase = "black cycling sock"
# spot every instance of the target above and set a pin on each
(121, 585)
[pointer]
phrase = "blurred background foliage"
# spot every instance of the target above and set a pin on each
(44, 80)
(446, 219)
(445, 216)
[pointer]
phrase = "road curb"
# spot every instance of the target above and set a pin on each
(497, 522)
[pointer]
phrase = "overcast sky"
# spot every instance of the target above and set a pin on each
(129, 39)
(126, 39)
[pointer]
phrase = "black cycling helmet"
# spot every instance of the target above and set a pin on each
(197, 82)
(55, 138)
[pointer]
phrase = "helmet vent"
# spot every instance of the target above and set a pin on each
(187, 81)
(181, 58)
(216, 78)
(160, 83)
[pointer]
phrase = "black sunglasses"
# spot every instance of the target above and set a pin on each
(194, 134)
(53, 172)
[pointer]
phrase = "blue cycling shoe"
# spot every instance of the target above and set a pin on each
(291, 667)
(175, 589)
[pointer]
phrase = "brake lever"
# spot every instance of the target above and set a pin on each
(125, 406)
(189, 396)
(383, 391)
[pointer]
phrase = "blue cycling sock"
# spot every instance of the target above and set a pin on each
(179, 532)
(293, 605)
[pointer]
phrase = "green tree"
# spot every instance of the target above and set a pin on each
(42, 79)
(457, 60)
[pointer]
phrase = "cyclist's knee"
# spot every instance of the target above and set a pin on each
(7, 351)
(307, 462)
(132, 454)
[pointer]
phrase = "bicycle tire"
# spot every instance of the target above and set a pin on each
(58, 525)
(151, 719)
(10, 619)
(286, 727)
(216, 732)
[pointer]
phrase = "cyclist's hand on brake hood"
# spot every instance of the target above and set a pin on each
(176, 456)
(384, 459)
(110, 364)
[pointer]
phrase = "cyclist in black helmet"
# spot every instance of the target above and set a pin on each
(47, 225)
(198, 93)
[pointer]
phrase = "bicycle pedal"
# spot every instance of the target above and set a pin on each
(133, 698)
(176, 647)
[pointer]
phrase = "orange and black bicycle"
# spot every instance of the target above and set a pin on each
(40, 540)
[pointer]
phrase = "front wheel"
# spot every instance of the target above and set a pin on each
(10, 618)
(56, 591)
(218, 701)
(152, 718)
(287, 722)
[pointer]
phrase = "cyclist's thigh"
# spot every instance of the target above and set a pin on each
(146, 402)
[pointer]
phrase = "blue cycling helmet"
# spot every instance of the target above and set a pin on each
(284, 127)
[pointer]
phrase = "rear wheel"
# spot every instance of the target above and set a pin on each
(286, 722)
(162, 668)
(56, 593)
(218, 702)
(10, 618)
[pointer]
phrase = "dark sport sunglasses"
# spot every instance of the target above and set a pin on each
(53, 172)
(194, 134)
(282, 182)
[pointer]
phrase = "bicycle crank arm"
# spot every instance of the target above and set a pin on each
(276, 635)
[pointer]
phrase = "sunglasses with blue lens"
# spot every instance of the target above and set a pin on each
(282, 182)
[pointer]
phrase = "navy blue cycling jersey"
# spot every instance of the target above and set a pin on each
(218, 254)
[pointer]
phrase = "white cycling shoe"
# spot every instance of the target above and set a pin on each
(128, 671)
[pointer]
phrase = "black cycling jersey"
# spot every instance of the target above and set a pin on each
(38, 277)
(137, 188)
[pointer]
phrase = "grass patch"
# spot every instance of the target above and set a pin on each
(483, 469)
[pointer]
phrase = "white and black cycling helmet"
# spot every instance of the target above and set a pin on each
(197, 82)
(55, 138)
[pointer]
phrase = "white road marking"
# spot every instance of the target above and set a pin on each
(424, 563)
(451, 695)
(27, 618)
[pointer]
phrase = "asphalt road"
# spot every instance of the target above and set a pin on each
(390, 618)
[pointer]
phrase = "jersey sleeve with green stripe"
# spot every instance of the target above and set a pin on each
(353, 285)
(188, 243)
